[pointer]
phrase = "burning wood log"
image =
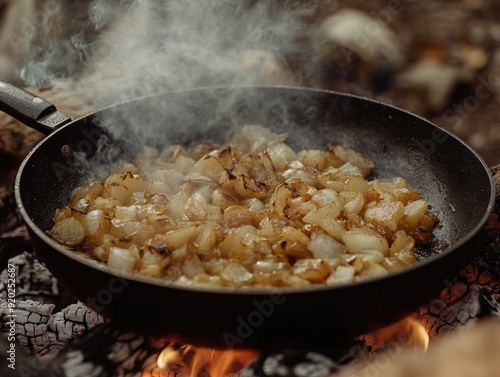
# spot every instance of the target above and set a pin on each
(43, 335)
(305, 363)
(106, 352)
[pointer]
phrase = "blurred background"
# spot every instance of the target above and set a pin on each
(439, 59)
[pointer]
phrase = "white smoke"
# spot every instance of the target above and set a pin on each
(131, 48)
(125, 49)
(169, 45)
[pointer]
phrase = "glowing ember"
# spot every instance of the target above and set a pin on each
(184, 360)
(188, 361)
(407, 333)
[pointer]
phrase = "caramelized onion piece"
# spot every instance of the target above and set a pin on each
(69, 232)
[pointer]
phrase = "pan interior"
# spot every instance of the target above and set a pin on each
(447, 173)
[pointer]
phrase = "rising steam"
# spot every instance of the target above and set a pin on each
(127, 49)
(158, 45)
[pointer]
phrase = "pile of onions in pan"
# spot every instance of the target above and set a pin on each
(249, 213)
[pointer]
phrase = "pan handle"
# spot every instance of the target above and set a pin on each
(30, 109)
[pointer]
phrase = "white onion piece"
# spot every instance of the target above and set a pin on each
(314, 270)
(247, 234)
(82, 205)
(118, 191)
(331, 211)
(172, 178)
(268, 266)
(357, 183)
(386, 213)
(254, 205)
(343, 274)
(120, 259)
(254, 138)
(210, 167)
(354, 202)
(323, 246)
(372, 270)
(348, 167)
(159, 187)
(281, 153)
(332, 227)
(178, 237)
(80, 192)
(183, 164)
(360, 239)
(134, 182)
(205, 238)
(413, 211)
(236, 273)
(192, 267)
(125, 212)
(294, 235)
(69, 232)
(325, 197)
(124, 228)
(95, 222)
(372, 256)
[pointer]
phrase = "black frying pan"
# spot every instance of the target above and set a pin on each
(448, 173)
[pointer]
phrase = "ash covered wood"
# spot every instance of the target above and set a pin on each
(54, 338)
(305, 363)
(106, 351)
(46, 316)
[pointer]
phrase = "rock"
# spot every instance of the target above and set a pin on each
(429, 83)
(368, 37)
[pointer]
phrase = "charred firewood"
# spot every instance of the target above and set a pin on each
(35, 282)
(46, 316)
(305, 363)
(107, 351)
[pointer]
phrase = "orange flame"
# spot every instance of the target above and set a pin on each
(408, 333)
(189, 361)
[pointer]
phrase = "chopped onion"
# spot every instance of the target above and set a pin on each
(96, 224)
(120, 259)
(171, 177)
(324, 197)
(125, 212)
(386, 213)
(314, 270)
(360, 239)
(342, 274)
(413, 211)
(236, 273)
(69, 232)
(323, 246)
(281, 154)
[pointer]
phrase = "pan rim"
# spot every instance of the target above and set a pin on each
(252, 291)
